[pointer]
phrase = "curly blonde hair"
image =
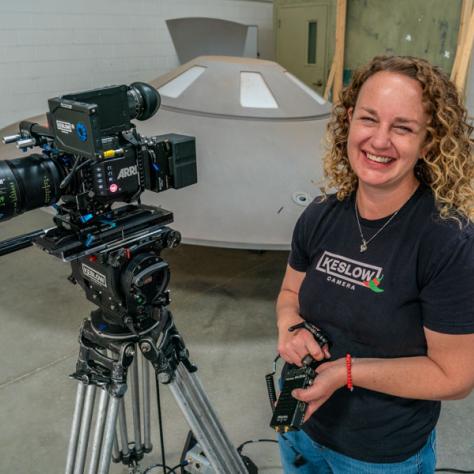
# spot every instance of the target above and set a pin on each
(447, 167)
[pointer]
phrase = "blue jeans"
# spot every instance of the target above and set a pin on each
(322, 460)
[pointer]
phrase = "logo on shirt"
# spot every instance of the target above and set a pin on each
(347, 272)
(374, 284)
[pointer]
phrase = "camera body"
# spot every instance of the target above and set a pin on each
(92, 157)
(96, 125)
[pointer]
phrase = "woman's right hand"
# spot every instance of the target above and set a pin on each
(294, 346)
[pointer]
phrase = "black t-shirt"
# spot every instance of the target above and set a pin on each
(418, 272)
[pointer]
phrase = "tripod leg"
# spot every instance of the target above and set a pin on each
(85, 429)
(123, 429)
(146, 404)
(135, 395)
(203, 421)
(76, 426)
(99, 431)
(109, 435)
(116, 449)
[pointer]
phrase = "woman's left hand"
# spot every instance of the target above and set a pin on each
(331, 376)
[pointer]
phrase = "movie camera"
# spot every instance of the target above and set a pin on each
(93, 157)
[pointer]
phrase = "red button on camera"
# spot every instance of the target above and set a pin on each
(113, 188)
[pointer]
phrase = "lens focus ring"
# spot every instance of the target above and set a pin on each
(28, 183)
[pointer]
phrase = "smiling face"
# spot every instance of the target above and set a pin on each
(387, 132)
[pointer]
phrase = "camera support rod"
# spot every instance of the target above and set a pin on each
(19, 242)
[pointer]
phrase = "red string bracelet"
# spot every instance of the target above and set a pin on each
(349, 372)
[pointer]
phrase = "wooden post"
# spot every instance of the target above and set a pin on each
(466, 10)
(465, 56)
(339, 53)
(330, 80)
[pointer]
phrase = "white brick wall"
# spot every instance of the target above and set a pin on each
(51, 47)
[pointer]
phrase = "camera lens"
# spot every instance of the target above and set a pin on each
(143, 100)
(28, 183)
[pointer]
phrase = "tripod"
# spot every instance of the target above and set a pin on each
(105, 357)
(117, 263)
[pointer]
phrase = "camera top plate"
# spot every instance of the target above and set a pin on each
(123, 227)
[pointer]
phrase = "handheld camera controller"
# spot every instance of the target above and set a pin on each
(288, 413)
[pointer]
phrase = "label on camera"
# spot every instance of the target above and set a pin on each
(127, 172)
(94, 276)
(64, 127)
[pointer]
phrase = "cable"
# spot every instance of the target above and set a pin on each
(181, 464)
(299, 460)
(160, 423)
(250, 441)
(170, 470)
(149, 468)
(85, 163)
(68, 178)
(450, 469)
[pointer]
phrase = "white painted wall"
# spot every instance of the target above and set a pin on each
(51, 47)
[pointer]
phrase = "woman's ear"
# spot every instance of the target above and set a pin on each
(350, 110)
(424, 151)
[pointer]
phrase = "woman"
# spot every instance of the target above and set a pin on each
(384, 267)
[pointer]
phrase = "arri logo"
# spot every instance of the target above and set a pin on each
(94, 276)
(347, 272)
(127, 172)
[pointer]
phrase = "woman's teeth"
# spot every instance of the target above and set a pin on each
(378, 159)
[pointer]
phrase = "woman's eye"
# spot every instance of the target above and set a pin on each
(403, 129)
(368, 119)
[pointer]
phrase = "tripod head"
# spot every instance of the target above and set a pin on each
(116, 260)
(118, 265)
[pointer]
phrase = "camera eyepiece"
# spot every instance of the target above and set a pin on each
(143, 100)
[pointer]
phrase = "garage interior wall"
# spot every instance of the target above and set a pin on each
(53, 47)
(373, 27)
(427, 30)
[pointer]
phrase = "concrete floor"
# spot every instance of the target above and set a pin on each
(223, 303)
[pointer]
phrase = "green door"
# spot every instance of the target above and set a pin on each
(302, 42)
